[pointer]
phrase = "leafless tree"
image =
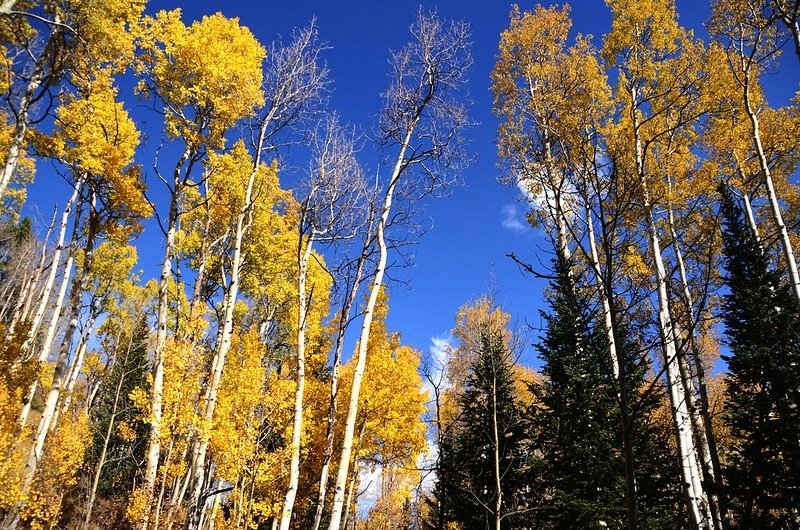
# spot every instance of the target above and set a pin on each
(422, 123)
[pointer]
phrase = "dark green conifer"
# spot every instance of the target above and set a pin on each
(763, 386)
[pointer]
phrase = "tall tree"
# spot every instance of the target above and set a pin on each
(423, 120)
(659, 69)
(480, 477)
(224, 86)
(761, 324)
(334, 192)
(577, 415)
(749, 37)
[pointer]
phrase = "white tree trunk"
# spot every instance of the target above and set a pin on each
(608, 326)
(366, 327)
(498, 506)
(700, 419)
(751, 219)
(6, 6)
(337, 361)
(786, 242)
(51, 277)
(696, 501)
(157, 392)
(60, 375)
(223, 347)
(694, 494)
(14, 149)
(297, 425)
(77, 363)
(30, 289)
(55, 319)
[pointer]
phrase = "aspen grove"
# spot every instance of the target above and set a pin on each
(196, 316)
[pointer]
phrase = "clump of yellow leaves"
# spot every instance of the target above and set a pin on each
(208, 75)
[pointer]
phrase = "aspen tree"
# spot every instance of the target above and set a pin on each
(656, 76)
(101, 161)
(328, 214)
(749, 40)
(294, 81)
(76, 38)
(352, 276)
(225, 61)
(423, 119)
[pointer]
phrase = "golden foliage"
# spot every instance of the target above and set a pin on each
(207, 75)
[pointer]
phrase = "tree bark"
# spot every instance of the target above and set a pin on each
(696, 501)
(337, 361)
(304, 255)
(223, 346)
(28, 293)
(156, 396)
(51, 277)
(60, 375)
(701, 416)
(14, 149)
(498, 506)
(786, 242)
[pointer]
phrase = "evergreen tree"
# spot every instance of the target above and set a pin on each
(763, 386)
(119, 431)
(474, 451)
(580, 421)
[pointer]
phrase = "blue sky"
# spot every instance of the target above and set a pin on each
(462, 253)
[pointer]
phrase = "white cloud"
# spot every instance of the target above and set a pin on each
(369, 482)
(440, 345)
(437, 357)
(512, 219)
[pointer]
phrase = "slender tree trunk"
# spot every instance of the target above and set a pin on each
(80, 356)
(794, 29)
(344, 317)
(14, 150)
(51, 277)
(156, 396)
(366, 326)
(6, 6)
(786, 242)
(594, 258)
(49, 413)
(297, 427)
(351, 495)
(751, 219)
(55, 318)
(498, 505)
(700, 414)
(223, 347)
(696, 501)
(29, 292)
(680, 413)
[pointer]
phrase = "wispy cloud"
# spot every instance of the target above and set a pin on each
(511, 218)
(437, 357)
(439, 347)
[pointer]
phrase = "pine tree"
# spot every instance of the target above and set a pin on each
(466, 488)
(583, 471)
(120, 434)
(763, 387)
(580, 426)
